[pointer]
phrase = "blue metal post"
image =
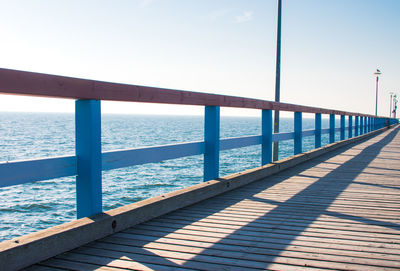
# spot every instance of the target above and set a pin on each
(365, 125)
(356, 127)
(331, 128)
(88, 153)
(372, 124)
(318, 128)
(266, 147)
(369, 124)
(342, 127)
(211, 139)
(350, 126)
(361, 125)
(298, 133)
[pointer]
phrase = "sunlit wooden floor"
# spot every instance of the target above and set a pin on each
(340, 211)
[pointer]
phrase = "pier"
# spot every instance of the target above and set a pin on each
(335, 207)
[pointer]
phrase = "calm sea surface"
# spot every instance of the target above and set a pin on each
(34, 206)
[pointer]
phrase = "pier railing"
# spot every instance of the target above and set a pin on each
(89, 162)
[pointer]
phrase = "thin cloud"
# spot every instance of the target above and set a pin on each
(245, 17)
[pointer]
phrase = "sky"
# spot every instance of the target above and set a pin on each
(330, 49)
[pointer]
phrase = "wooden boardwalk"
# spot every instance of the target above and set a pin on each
(340, 211)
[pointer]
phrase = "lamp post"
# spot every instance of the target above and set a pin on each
(277, 80)
(377, 73)
(395, 100)
(391, 99)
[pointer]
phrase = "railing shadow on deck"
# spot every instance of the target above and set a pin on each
(136, 248)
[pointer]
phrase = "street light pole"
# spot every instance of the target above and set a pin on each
(391, 96)
(277, 80)
(377, 73)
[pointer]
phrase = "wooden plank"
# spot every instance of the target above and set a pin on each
(145, 263)
(386, 220)
(273, 223)
(304, 201)
(316, 241)
(255, 246)
(38, 84)
(323, 219)
(235, 261)
(287, 210)
(252, 230)
(264, 254)
(228, 233)
(43, 268)
(58, 264)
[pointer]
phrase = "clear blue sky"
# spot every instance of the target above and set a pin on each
(331, 48)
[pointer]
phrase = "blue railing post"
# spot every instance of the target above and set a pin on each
(365, 125)
(372, 124)
(88, 153)
(356, 127)
(362, 125)
(350, 126)
(342, 127)
(369, 124)
(266, 127)
(298, 133)
(331, 128)
(211, 139)
(318, 130)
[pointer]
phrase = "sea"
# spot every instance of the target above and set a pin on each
(35, 206)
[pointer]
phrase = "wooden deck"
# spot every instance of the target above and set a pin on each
(340, 211)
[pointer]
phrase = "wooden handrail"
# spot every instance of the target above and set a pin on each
(46, 85)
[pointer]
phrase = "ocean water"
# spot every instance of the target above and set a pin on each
(34, 206)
